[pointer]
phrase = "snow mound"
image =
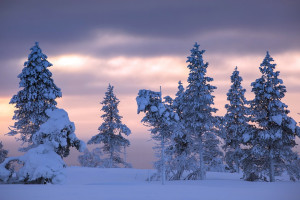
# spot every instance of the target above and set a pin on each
(38, 165)
(58, 131)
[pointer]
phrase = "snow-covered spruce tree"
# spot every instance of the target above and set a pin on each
(43, 163)
(162, 121)
(235, 122)
(270, 147)
(111, 130)
(180, 148)
(3, 153)
(197, 112)
(38, 94)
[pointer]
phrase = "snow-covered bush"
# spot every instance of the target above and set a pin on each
(43, 163)
(39, 165)
(91, 159)
(58, 131)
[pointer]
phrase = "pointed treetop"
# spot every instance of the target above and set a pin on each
(196, 45)
(180, 88)
(236, 73)
(267, 61)
(110, 88)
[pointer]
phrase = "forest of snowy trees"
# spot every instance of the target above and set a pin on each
(255, 136)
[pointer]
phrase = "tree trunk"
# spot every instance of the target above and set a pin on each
(110, 160)
(272, 175)
(179, 173)
(163, 170)
(201, 173)
(125, 154)
(237, 165)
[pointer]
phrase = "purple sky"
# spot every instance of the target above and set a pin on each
(143, 44)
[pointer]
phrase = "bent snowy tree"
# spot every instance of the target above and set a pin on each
(160, 118)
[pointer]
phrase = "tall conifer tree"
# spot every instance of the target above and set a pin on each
(111, 131)
(271, 146)
(236, 122)
(181, 148)
(37, 95)
(198, 112)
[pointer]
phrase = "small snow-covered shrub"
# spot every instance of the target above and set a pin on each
(38, 165)
(58, 131)
(90, 159)
(43, 163)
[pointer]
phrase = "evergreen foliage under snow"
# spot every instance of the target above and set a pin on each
(161, 119)
(111, 132)
(92, 159)
(38, 94)
(270, 147)
(182, 158)
(58, 131)
(198, 113)
(236, 122)
(43, 162)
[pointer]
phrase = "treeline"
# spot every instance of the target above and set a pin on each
(257, 136)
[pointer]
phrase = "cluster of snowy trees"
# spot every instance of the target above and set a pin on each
(257, 135)
(47, 133)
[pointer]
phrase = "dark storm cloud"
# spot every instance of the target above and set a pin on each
(174, 25)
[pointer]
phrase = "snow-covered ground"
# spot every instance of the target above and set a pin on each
(129, 184)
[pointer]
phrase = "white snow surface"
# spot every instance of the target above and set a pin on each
(129, 184)
(58, 119)
(40, 161)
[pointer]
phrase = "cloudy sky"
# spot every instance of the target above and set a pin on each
(143, 45)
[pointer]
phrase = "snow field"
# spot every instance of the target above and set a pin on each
(129, 184)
